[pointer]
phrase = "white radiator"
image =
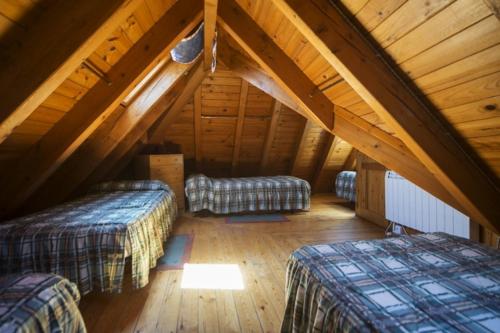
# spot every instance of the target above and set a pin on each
(409, 205)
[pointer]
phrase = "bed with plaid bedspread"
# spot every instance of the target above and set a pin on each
(345, 185)
(250, 194)
(39, 303)
(88, 240)
(427, 283)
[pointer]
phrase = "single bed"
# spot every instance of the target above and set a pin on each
(345, 185)
(88, 240)
(430, 283)
(250, 194)
(39, 303)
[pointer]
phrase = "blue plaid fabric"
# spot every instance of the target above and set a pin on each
(345, 185)
(235, 195)
(426, 283)
(39, 303)
(87, 240)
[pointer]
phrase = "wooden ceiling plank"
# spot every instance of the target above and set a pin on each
(50, 50)
(210, 20)
(95, 159)
(413, 119)
(327, 153)
(271, 131)
(235, 21)
(77, 125)
(350, 162)
(239, 126)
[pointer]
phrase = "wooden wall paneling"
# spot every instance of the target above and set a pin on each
(494, 6)
(270, 137)
(269, 56)
(239, 126)
(77, 125)
(300, 146)
(49, 50)
(197, 129)
(351, 161)
(159, 132)
(402, 109)
(210, 20)
(85, 168)
(326, 155)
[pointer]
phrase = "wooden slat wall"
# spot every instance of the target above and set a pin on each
(78, 83)
(326, 179)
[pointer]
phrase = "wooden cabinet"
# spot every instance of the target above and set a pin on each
(169, 168)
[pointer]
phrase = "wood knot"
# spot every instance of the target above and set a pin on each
(490, 107)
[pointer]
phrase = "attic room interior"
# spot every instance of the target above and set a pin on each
(249, 166)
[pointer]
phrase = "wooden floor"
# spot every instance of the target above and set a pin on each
(260, 250)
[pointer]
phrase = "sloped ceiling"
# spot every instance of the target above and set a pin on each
(448, 48)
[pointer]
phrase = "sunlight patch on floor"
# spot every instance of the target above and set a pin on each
(212, 276)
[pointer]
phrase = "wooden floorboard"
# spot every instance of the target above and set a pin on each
(259, 249)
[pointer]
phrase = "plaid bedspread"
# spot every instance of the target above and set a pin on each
(345, 185)
(235, 195)
(87, 240)
(426, 283)
(39, 303)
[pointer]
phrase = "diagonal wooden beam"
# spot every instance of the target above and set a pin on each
(379, 82)
(239, 126)
(300, 147)
(94, 158)
(235, 21)
(50, 49)
(271, 131)
(158, 133)
(77, 125)
(198, 151)
(326, 155)
(210, 20)
(350, 162)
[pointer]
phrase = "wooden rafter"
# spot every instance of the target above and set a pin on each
(235, 21)
(96, 158)
(350, 162)
(159, 132)
(198, 151)
(326, 156)
(414, 119)
(210, 20)
(239, 126)
(77, 125)
(271, 131)
(300, 147)
(49, 50)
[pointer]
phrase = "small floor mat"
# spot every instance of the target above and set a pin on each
(177, 252)
(257, 218)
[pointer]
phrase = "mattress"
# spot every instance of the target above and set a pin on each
(39, 303)
(345, 185)
(249, 194)
(431, 283)
(87, 240)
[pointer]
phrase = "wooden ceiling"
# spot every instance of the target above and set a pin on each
(448, 49)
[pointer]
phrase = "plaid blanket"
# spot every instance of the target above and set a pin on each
(86, 240)
(39, 303)
(345, 185)
(235, 195)
(426, 283)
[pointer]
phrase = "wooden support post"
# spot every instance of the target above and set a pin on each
(269, 56)
(300, 147)
(271, 131)
(49, 50)
(79, 123)
(209, 19)
(197, 129)
(415, 120)
(239, 126)
(326, 155)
